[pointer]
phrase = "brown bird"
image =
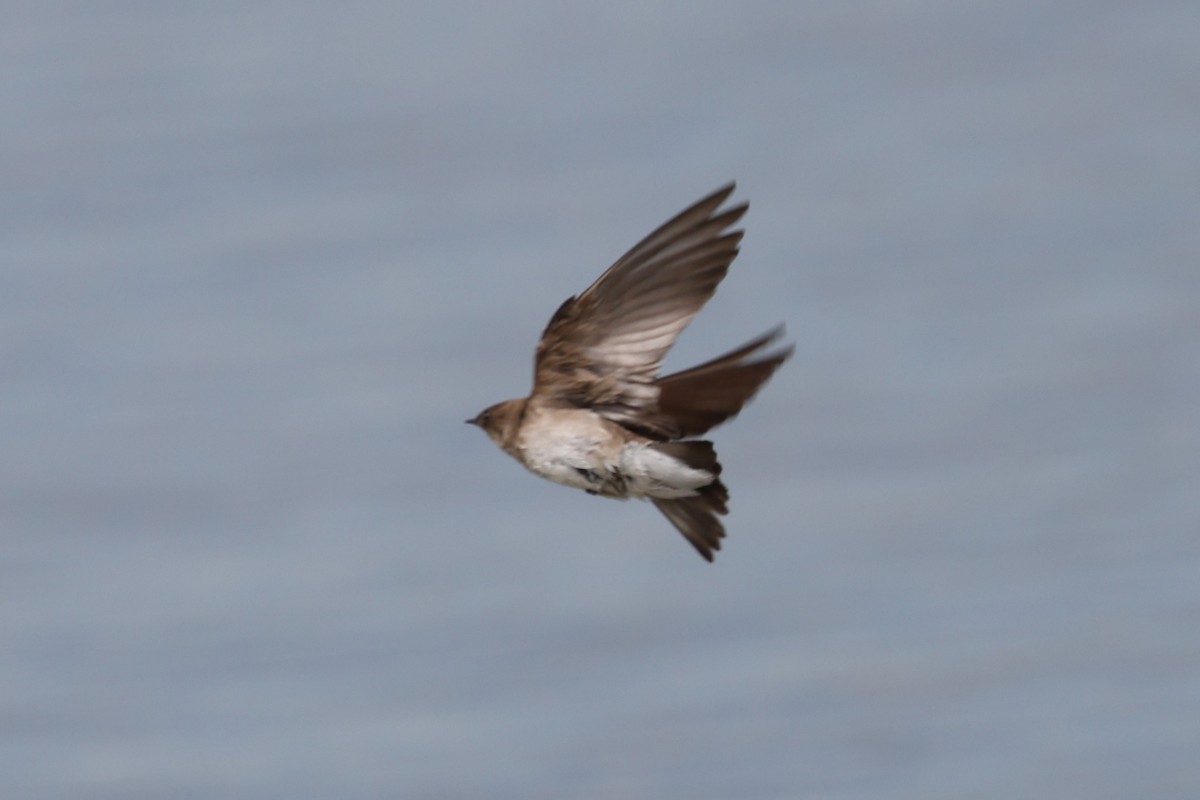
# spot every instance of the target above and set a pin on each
(601, 419)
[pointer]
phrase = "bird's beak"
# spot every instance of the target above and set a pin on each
(472, 421)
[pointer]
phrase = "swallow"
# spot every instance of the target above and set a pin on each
(601, 418)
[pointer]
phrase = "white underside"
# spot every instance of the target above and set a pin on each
(650, 473)
(637, 471)
(578, 448)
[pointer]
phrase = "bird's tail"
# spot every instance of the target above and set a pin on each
(696, 516)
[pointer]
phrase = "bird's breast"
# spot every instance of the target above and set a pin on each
(574, 447)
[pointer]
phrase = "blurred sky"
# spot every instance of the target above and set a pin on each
(259, 260)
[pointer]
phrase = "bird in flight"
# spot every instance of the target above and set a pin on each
(601, 418)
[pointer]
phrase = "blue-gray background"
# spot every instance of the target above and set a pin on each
(260, 260)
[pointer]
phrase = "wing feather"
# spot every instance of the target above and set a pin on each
(604, 348)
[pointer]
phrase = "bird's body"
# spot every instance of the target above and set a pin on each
(601, 419)
(579, 448)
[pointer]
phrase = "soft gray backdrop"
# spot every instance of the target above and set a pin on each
(259, 260)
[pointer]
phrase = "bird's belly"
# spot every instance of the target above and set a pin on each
(637, 470)
(571, 447)
(576, 462)
(578, 449)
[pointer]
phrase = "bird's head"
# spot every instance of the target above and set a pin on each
(500, 421)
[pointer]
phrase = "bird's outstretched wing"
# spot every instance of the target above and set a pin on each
(603, 349)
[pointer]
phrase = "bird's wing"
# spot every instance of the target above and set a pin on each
(604, 348)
